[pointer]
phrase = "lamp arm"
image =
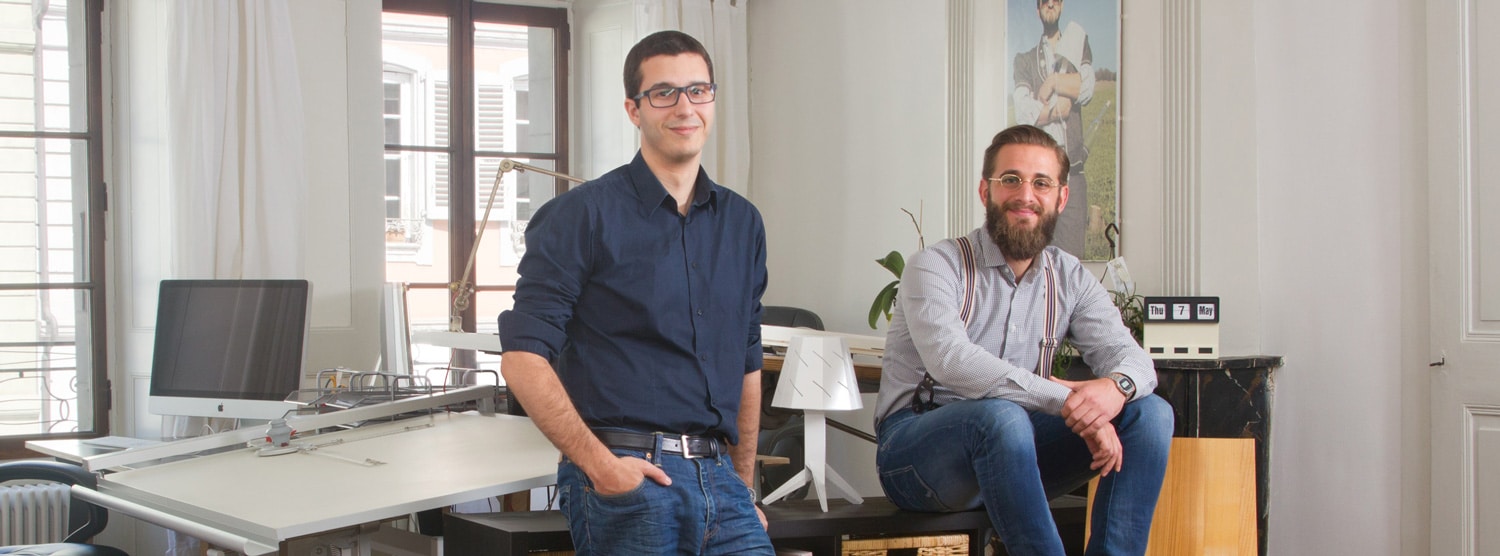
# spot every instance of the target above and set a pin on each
(462, 289)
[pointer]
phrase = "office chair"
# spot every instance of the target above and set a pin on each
(84, 519)
(795, 317)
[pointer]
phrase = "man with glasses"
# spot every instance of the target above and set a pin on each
(634, 342)
(969, 414)
(1053, 82)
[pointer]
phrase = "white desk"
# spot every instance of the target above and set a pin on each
(71, 450)
(458, 458)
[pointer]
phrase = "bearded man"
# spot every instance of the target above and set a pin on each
(969, 414)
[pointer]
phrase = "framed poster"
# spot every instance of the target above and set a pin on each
(1064, 78)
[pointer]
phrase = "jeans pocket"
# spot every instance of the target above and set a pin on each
(623, 497)
(905, 487)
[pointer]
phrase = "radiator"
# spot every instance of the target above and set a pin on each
(33, 514)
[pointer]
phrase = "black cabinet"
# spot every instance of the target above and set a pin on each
(1226, 398)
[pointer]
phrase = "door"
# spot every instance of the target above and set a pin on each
(1464, 214)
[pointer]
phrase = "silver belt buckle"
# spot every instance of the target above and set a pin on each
(687, 453)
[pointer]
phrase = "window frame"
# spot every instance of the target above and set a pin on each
(463, 153)
(13, 447)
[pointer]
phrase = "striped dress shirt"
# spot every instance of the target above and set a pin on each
(995, 354)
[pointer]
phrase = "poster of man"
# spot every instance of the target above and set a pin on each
(1064, 78)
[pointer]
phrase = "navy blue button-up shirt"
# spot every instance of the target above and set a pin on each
(651, 318)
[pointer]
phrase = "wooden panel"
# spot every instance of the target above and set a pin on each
(1207, 504)
(1484, 76)
(1485, 437)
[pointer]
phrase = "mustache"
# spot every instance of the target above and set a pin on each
(1018, 204)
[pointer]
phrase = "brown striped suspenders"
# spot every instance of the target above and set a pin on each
(1050, 339)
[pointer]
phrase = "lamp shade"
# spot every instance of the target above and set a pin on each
(818, 374)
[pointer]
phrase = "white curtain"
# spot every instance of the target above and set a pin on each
(720, 26)
(236, 127)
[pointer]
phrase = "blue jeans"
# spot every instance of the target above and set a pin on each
(707, 510)
(993, 453)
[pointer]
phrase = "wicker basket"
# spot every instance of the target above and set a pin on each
(937, 545)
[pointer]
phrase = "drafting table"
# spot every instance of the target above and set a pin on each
(769, 335)
(426, 462)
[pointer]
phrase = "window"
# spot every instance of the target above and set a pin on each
(466, 85)
(52, 372)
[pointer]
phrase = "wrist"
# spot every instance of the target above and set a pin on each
(597, 463)
(1124, 385)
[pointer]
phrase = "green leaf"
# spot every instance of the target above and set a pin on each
(893, 262)
(883, 302)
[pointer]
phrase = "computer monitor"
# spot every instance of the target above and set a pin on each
(228, 348)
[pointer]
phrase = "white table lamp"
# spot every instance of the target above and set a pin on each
(818, 376)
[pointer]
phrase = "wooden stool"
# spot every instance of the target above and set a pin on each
(1207, 503)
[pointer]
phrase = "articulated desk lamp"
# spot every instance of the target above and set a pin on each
(462, 289)
(818, 376)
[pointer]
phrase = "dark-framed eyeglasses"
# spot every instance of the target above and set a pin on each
(1012, 182)
(667, 97)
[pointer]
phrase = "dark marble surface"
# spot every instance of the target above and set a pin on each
(1230, 397)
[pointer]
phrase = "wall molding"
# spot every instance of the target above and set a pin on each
(1475, 189)
(1181, 239)
(961, 116)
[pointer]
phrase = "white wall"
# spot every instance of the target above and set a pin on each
(847, 102)
(1343, 271)
(1308, 204)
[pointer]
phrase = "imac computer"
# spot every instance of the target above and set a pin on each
(228, 348)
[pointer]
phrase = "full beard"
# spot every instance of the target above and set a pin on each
(1050, 26)
(1016, 242)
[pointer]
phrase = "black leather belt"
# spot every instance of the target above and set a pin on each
(689, 446)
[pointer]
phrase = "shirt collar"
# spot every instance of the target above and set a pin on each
(652, 194)
(989, 255)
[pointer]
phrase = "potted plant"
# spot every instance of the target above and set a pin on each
(895, 263)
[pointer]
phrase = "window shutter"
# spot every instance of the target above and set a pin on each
(489, 127)
(442, 178)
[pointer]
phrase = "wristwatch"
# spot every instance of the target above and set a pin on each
(1125, 385)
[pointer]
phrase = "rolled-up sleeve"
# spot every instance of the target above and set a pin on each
(754, 356)
(558, 250)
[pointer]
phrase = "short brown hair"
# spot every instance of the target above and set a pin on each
(1025, 135)
(660, 43)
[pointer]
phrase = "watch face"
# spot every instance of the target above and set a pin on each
(1126, 385)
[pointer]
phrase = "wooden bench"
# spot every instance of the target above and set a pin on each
(793, 524)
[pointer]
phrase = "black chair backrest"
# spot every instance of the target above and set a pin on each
(794, 317)
(84, 519)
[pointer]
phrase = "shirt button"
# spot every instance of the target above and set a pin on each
(700, 312)
(703, 358)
